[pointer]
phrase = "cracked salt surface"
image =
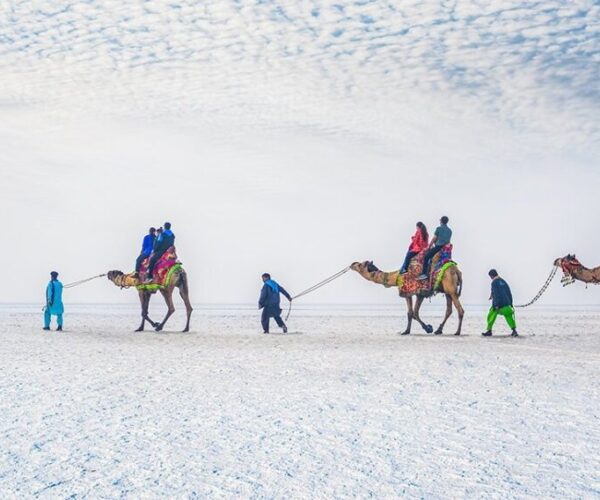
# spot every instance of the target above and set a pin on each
(346, 409)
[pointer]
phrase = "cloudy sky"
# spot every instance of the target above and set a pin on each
(296, 137)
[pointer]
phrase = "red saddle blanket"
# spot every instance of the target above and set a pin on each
(166, 261)
(409, 284)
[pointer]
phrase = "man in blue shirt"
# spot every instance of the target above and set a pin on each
(502, 303)
(269, 303)
(147, 245)
(54, 303)
(442, 236)
(165, 241)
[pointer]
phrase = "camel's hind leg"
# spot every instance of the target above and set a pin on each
(185, 295)
(459, 309)
(440, 328)
(409, 314)
(418, 303)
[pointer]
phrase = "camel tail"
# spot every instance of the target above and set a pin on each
(184, 283)
(460, 281)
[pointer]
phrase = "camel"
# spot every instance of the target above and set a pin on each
(574, 270)
(177, 280)
(450, 286)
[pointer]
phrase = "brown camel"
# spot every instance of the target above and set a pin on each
(450, 285)
(177, 280)
(574, 270)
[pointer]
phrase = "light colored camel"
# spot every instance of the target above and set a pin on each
(177, 280)
(450, 286)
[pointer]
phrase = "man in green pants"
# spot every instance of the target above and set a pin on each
(502, 303)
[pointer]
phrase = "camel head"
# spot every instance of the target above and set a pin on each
(365, 266)
(114, 275)
(121, 279)
(568, 260)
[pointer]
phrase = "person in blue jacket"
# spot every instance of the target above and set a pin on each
(269, 303)
(54, 303)
(164, 241)
(502, 303)
(147, 246)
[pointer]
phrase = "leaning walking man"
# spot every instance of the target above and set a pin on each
(269, 303)
(502, 303)
(54, 303)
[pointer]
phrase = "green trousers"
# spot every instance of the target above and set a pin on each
(509, 315)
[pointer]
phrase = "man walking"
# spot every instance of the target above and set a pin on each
(54, 304)
(502, 303)
(147, 245)
(442, 236)
(269, 303)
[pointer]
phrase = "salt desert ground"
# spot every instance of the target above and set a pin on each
(341, 407)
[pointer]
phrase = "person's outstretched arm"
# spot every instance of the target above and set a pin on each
(287, 295)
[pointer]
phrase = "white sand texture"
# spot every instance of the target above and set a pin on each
(345, 409)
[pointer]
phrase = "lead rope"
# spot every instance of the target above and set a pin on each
(81, 282)
(75, 283)
(543, 289)
(316, 287)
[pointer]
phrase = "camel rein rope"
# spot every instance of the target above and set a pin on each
(316, 287)
(543, 289)
(81, 282)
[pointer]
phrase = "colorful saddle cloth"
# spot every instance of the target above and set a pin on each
(409, 284)
(163, 270)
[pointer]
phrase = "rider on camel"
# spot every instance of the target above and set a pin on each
(418, 243)
(441, 238)
(163, 242)
(147, 247)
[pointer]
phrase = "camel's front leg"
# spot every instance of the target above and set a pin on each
(460, 310)
(145, 302)
(168, 296)
(440, 328)
(409, 313)
(426, 327)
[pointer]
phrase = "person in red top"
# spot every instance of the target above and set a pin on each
(418, 243)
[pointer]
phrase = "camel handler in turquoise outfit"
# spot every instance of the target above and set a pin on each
(54, 303)
(502, 303)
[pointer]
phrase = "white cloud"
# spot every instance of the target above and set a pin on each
(375, 114)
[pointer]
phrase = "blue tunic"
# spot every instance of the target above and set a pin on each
(269, 296)
(501, 295)
(54, 297)
(148, 244)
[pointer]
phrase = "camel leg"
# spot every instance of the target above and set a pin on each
(183, 291)
(143, 305)
(168, 296)
(459, 309)
(409, 313)
(425, 326)
(440, 329)
(145, 301)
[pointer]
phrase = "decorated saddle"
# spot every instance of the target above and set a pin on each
(166, 265)
(408, 283)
